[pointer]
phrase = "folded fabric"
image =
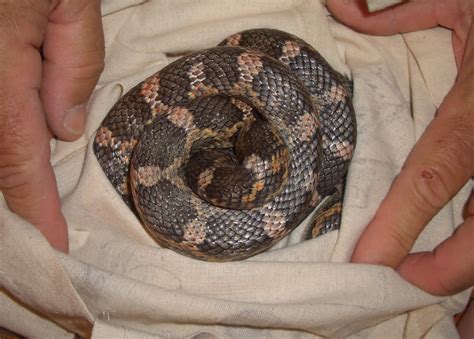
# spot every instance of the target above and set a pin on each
(116, 282)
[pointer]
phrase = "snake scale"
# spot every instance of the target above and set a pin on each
(225, 151)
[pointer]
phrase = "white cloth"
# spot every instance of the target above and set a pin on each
(116, 282)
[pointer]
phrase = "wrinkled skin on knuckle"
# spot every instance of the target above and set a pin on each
(12, 135)
(66, 11)
(83, 17)
(452, 162)
(449, 166)
(456, 146)
(14, 146)
(22, 139)
(403, 237)
(18, 166)
(23, 21)
(8, 27)
(12, 178)
(15, 169)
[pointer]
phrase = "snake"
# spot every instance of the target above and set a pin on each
(225, 151)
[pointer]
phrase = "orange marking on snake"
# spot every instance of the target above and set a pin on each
(104, 137)
(308, 126)
(181, 117)
(234, 39)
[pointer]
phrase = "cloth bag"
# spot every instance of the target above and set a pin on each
(116, 282)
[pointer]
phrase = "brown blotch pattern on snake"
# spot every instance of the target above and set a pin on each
(156, 138)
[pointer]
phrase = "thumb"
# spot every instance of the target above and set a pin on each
(73, 52)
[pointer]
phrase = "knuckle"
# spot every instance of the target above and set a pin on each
(15, 164)
(90, 70)
(71, 11)
(403, 238)
(14, 175)
(8, 24)
(22, 21)
(447, 168)
(18, 150)
(9, 117)
(19, 163)
(457, 146)
(13, 137)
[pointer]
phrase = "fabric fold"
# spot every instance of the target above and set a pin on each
(116, 282)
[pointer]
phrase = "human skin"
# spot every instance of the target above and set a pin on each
(51, 56)
(53, 51)
(438, 166)
(441, 162)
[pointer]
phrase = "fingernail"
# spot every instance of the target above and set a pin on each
(74, 119)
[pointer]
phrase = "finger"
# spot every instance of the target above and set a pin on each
(26, 177)
(406, 17)
(469, 207)
(438, 166)
(447, 270)
(73, 53)
(465, 324)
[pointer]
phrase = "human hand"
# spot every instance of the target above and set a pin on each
(51, 56)
(440, 163)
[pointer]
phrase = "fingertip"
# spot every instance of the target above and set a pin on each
(448, 269)
(357, 15)
(398, 18)
(379, 246)
(388, 237)
(50, 222)
(417, 268)
(28, 184)
(352, 13)
(32, 194)
(56, 233)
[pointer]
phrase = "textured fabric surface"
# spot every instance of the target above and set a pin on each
(375, 5)
(116, 282)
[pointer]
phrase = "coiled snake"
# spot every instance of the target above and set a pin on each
(225, 151)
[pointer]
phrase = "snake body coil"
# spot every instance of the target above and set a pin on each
(227, 150)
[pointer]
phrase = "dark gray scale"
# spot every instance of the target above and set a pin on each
(160, 151)
(245, 175)
(167, 217)
(238, 236)
(229, 148)
(217, 113)
(328, 216)
(244, 231)
(125, 124)
(155, 138)
(336, 111)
